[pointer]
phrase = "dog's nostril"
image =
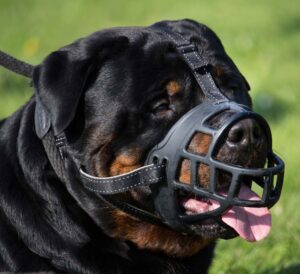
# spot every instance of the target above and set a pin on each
(236, 134)
(245, 132)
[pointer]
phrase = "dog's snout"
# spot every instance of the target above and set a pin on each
(245, 133)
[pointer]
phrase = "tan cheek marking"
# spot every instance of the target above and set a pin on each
(219, 70)
(204, 172)
(156, 238)
(173, 87)
(185, 172)
(125, 162)
(200, 145)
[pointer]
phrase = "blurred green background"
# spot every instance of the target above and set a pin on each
(262, 37)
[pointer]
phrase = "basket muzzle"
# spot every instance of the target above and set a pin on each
(173, 149)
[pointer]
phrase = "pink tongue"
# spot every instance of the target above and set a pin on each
(252, 224)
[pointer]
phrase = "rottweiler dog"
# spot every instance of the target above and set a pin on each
(115, 93)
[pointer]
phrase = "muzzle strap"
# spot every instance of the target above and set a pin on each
(198, 65)
(57, 152)
(144, 176)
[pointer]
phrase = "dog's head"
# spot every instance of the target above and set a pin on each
(116, 93)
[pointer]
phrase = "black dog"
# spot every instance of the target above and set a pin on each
(115, 93)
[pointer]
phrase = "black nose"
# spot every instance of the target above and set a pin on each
(246, 133)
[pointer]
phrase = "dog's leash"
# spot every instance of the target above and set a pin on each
(16, 65)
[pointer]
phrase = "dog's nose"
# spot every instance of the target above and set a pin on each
(245, 133)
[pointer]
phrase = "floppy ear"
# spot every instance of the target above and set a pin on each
(59, 81)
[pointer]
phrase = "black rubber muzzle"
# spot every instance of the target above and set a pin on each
(173, 149)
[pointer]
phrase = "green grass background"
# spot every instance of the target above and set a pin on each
(262, 37)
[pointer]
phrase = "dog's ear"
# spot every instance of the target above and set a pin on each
(59, 81)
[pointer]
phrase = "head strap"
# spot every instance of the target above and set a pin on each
(198, 65)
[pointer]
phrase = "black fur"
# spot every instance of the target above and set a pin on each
(105, 85)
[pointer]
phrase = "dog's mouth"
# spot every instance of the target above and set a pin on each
(251, 224)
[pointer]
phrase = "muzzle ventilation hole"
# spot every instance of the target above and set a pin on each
(199, 143)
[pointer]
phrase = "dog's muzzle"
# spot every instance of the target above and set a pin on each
(174, 149)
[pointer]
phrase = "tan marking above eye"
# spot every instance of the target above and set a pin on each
(173, 87)
(219, 70)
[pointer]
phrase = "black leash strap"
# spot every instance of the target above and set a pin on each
(13, 64)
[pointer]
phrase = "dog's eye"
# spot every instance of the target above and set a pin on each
(231, 92)
(161, 107)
